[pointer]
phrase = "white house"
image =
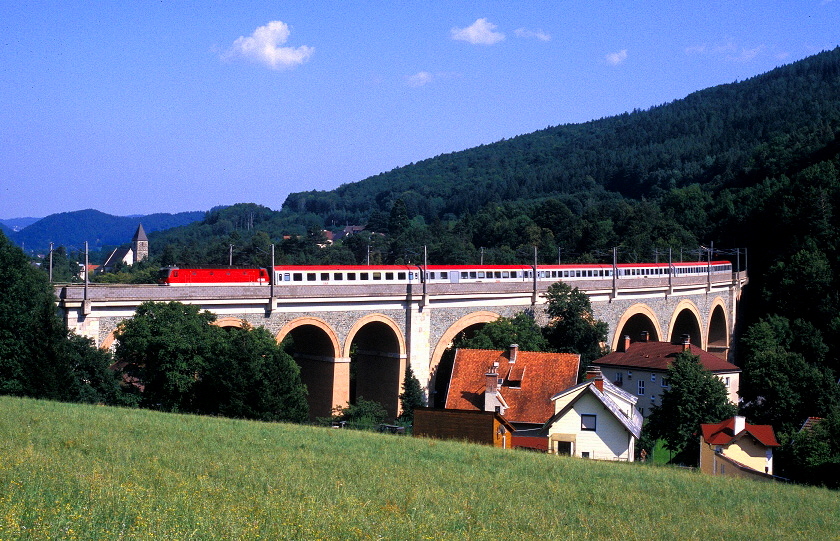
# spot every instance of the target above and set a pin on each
(594, 419)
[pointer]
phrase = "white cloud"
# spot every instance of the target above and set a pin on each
(727, 50)
(617, 58)
(538, 34)
(481, 32)
(419, 79)
(264, 47)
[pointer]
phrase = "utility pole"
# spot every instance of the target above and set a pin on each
(51, 263)
(230, 256)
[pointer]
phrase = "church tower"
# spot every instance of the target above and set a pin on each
(140, 244)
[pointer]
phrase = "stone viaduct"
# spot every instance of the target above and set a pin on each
(385, 328)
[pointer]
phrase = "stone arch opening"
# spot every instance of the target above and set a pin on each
(686, 321)
(635, 321)
(376, 349)
(718, 333)
(440, 367)
(314, 346)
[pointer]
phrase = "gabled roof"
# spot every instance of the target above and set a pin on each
(117, 255)
(810, 422)
(633, 424)
(660, 355)
(724, 433)
(528, 398)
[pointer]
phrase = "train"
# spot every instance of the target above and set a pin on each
(336, 275)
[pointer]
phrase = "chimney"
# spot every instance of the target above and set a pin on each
(491, 379)
(514, 349)
(686, 342)
(645, 336)
(625, 342)
(739, 425)
(594, 373)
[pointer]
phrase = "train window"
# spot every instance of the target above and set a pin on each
(389, 275)
(297, 276)
(401, 276)
(338, 276)
(364, 276)
(497, 274)
(464, 274)
(505, 274)
(377, 275)
(351, 275)
(481, 274)
(311, 276)
(286, 277)
(430, 276)
(473, 275)
(325, 276)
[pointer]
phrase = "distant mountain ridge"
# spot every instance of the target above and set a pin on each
(73, 229)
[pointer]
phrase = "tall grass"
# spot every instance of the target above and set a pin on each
(87, 472)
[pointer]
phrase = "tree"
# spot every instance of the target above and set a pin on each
(411, 397)
(250, 376)
(695, 396)
(521, 329)
(32, 336)
(95, 381)
(813, 456)
(573, 327)
(166, 346)
(779, 386)
(363, 414)
(398, 219)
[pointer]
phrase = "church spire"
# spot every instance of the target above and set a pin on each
(140, 244)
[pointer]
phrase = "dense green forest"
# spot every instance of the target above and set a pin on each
(752, 165)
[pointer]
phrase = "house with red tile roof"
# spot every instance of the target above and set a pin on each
(594, 419)
(737, 448)
(641, 368)
(516, 384)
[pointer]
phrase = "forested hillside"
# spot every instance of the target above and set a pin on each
(727, 136)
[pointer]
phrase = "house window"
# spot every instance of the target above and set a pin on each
(641, 387)
(726, 382)
(584, 454)
(665, 382)
(619, 378)
(588, 421)
(653, 378)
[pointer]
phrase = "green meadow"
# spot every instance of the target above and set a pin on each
(85, 472)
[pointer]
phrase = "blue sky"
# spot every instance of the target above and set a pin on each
(166, 106)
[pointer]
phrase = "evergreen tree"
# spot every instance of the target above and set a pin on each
(411, 397)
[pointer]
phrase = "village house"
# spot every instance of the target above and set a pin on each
(594, 419)
(737, 448)
(518, 385)
(641, 368)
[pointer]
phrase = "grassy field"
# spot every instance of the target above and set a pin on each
(87, 472)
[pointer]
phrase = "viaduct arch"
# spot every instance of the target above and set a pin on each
(360, 343)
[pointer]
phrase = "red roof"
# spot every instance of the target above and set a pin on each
(527, 384)
(724, 433)
(660, 355)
